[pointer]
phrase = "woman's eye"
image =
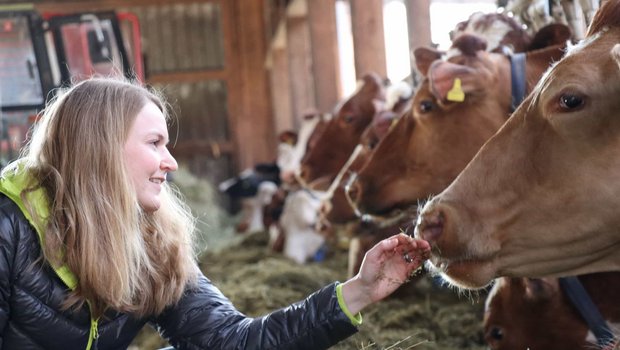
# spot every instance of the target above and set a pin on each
(426, 106)
(571, 101)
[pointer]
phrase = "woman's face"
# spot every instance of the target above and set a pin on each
(146, 156)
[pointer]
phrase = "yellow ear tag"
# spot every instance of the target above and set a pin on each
(456, 94)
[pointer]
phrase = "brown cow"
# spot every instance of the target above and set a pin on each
(428, 148)
(526, 313)
(336, 208)
(541, 197)
(342, 133)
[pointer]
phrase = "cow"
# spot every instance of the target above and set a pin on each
(321, 164)
(540, 199)
(429, 146)
(301, 239)
(253, 188)
(289, 158)
(537, 313)
(293, 145)
(335, 208)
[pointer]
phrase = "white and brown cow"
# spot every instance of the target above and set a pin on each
(321, 164)
(542, 197)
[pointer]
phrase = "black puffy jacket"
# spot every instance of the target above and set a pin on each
(31, 317)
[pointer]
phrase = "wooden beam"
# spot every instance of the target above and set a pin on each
(368, 37)
(300, 65)
(250, 98)
(325, 57)
(419, 20)
(281, 93)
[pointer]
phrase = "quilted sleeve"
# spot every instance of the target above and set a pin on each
(206, 319)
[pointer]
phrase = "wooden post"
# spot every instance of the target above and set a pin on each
(300, 61)
(419, 19)
(277, 63)
(368, 37)
(325, 58)
(419, 23)
(248, 89)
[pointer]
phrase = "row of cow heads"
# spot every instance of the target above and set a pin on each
(463, 100)
(365, 117)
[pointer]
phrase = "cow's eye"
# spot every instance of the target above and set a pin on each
(569, 101)
(348, 118)
(372, 143)
(426, 106)
(496, 333)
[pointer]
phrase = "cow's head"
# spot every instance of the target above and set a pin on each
(433, 142)
(522, 313)
(337, 208)
(542, 197)
(343, 132)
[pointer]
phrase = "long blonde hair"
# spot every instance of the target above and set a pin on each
(124, 258)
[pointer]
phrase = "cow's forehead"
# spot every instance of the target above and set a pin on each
(572, 51)
(494, 32)
(583, 44)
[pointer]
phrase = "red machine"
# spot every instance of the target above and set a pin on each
(41, 52)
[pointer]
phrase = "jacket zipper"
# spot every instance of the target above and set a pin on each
(93, 335)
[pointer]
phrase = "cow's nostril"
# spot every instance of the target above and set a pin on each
(431, 225)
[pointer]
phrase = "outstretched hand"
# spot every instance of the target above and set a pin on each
(386, 267)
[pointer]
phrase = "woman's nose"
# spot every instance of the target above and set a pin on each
(168, 162)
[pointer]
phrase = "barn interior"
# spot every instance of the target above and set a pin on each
(242, 78)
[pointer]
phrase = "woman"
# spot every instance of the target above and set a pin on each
(93, 243)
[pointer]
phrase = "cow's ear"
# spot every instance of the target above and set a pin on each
(372, 82)
(424, 57)
(539, 289)
(549, 35)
